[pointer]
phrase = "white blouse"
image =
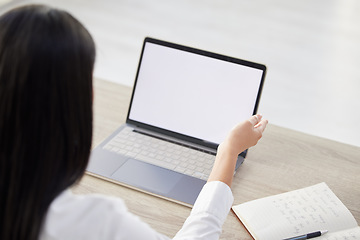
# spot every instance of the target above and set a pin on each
(102, 217)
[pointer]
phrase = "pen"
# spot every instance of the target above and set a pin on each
(308, 236)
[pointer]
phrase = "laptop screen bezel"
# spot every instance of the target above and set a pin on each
(193, 140)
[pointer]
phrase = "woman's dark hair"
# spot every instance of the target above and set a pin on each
(46, 66)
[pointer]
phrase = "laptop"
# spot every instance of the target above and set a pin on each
(184, 103)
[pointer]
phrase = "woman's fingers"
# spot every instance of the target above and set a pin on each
(255, 119)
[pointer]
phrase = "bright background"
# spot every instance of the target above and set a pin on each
(311, 49)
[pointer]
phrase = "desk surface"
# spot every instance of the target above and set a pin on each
(283, 160)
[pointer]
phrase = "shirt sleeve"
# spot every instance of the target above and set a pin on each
(208, 214)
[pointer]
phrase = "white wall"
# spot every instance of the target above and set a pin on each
(311, 48)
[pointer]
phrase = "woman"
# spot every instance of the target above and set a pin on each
(46, 64)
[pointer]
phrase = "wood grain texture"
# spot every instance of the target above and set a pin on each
(283, 160)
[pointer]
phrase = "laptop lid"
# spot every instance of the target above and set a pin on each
(191, 94)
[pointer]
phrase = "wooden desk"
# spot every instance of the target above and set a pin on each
(283, 160)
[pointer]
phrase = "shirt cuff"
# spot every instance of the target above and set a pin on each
(215, 198)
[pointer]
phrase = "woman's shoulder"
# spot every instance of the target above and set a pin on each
(72, 216)
(93, 216)
(67, 199)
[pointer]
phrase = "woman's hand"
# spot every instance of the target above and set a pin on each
(243, 136)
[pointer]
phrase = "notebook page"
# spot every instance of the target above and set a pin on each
(350, 234)
(294, 213)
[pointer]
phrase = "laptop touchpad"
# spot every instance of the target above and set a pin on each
(146, 176)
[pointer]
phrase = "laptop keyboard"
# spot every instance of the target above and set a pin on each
(162, 153)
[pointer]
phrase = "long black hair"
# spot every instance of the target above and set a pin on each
(46, 65)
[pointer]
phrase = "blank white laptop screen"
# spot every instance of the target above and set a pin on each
(192, 94)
